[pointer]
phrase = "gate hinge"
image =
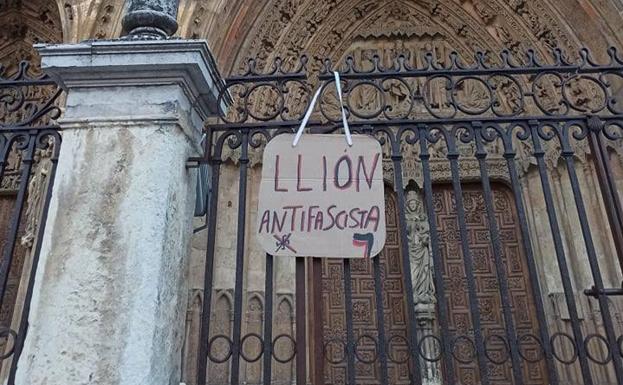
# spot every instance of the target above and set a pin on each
(194, 162)
(593, 292)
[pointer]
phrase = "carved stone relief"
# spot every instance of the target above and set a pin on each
(25, 23)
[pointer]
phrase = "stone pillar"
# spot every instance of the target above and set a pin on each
(110, 298)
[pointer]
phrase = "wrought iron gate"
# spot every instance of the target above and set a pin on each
(29, 146)
(508, 243)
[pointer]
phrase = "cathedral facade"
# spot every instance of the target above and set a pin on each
(452, 277)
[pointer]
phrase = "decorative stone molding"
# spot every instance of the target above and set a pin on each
(100, 57)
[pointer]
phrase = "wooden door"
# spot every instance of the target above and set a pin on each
(364, 312)
(487, 284)
(455, 282)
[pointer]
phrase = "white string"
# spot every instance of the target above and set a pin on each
(310, 109)
(306, 118)
(338, 86)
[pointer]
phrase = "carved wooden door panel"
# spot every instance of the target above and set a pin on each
(394, 306)
(455, 282)
(367, 364)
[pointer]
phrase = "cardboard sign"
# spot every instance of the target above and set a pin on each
(322, 198)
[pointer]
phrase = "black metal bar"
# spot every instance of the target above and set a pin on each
(372, 122)
(263, 78)
(301, 327)
(315, 310)
(23, 324)
(380, 319)
(468, 261)
(609, 193)
(595, 293)
(616, 198)
(560, 252)
(208, 278)
(268, 320)
(416, 371)
(454, 71)
(29, 127)
(567, 154)
(240, 237)
(500, 266)
(442, 308)
(350, 335)
(4, 153)
(26, 83)
(509, 155)
(16, 217)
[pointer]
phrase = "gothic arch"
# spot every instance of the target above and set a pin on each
(283, 325)
(257, 299)
(226, 298)
(251, 347)
(287, 301)
(222, 320)
(239, 29)
(190, 348)
(288, 28)
(287, 31)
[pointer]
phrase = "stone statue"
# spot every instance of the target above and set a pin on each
(36, 194)
(418, 234)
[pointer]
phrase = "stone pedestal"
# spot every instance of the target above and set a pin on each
(109, 299)
(428, 346)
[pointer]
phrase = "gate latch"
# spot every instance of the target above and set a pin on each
(593, 292)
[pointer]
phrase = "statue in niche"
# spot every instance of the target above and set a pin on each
(418, 235)
(36, 189)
